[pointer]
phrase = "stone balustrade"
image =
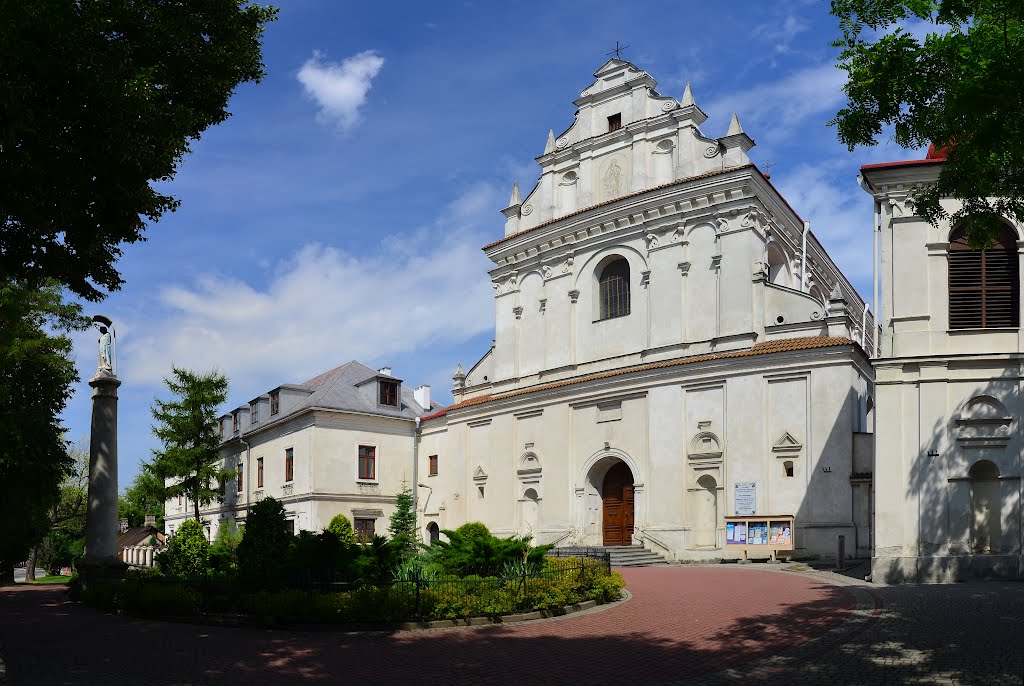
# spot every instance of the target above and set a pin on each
(139, 555)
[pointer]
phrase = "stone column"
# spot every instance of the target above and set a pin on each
(101, 516)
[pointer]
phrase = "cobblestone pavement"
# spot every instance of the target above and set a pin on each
(699, 625)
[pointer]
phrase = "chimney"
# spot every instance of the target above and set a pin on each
(422, 396)
(122, 525)
(386, 371)
(151, 520)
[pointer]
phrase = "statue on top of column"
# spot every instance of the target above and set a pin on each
(106, 345)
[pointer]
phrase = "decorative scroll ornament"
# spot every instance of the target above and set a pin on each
(527, 209)
(669, 106)
(546, 271)
(652, 241)
(567, 267)
(562, 142)
(711, 151)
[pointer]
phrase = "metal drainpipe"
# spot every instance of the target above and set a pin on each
(247, 468)
(416, 476)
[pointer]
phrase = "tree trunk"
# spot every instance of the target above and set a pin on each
(195, 503)
(30, 566)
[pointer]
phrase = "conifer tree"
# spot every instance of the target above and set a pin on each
(187, 427)
(402, 526)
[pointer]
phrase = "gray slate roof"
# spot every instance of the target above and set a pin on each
(343, 389)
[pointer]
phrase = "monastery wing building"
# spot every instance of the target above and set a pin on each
(668, 334)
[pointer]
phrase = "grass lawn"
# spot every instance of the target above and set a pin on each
(52, 579)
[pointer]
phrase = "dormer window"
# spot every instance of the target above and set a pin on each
(275, 403)
(388, 393)
(234, 422)
(254, 411)
(615, 122)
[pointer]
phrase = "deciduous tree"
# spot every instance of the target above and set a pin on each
(189, 463)
(36, 374)
(960, 87)
(100, 103)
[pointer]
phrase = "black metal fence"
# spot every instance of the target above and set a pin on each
(561, 582)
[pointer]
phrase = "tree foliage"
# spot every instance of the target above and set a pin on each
(64, 543)
(101, 101)
(36, 374)
(473, 549)
(188, 552)
(961, 88)
(402, 525)
(143, 497)
(263, 552)
(341, 527)
(187, 427)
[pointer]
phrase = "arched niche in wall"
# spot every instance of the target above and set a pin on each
(567, 198)
(705, 511)
(779, 272)
(986, 507)
(662, 161)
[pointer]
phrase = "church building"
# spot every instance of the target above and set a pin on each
(948, 390)
(667, 329)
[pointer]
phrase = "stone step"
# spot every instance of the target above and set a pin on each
(632, 556)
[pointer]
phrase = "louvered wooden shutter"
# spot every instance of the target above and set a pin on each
(984, 285)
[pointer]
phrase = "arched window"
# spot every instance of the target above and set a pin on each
(984, 285)
(614, 289)
(434, 531)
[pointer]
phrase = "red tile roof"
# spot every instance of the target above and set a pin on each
(766, 348)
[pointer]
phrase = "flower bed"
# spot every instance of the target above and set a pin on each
(558, 583)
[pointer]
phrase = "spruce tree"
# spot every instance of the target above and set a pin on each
(187, 427)
(402, 526)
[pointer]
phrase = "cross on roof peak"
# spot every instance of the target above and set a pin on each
(617, 52)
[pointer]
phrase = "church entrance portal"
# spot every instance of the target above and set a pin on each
(617, 505)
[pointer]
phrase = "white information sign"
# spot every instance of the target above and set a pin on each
(745, 498)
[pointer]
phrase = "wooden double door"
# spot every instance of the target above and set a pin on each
(617, 505)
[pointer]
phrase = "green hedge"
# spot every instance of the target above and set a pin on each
(561, 582)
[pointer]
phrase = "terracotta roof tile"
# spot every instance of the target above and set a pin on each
(624, 197)
(766, 348)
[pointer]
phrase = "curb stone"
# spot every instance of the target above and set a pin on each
(541, 616)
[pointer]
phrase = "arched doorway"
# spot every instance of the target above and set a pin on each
(617, 506)
(434, 532)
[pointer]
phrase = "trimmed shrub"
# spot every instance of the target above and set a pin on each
(187, 554)
(342, 528)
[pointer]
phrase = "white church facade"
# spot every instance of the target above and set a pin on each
(666, 327)
(948, 389)
(670, 335)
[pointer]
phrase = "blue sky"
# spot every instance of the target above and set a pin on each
(339, 213)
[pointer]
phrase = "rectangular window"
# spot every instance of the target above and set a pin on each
(238, 477)
(259, 472)
(220, 427)
(388, 393)
(234, 422)
(254, 411)
(275, 403)
(615, 122)
(291, 527)
(367, 462)
(364, 529)
(289, 464)
(432, 469)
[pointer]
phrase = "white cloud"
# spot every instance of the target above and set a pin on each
(775, 110)
(340, 88)
(780, 34)
(322, 306)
